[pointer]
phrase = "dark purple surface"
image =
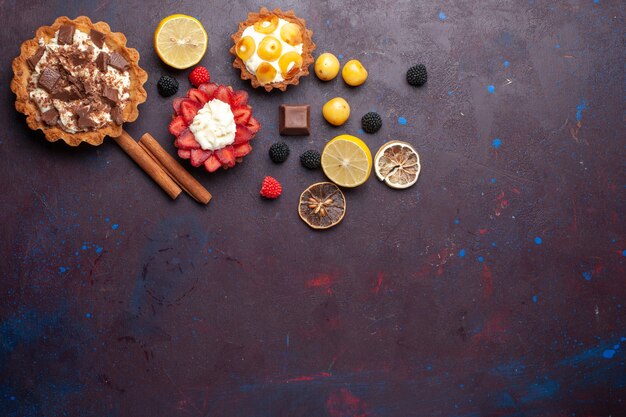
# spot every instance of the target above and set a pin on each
(493, 287)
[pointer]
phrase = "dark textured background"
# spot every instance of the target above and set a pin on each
(493, 287)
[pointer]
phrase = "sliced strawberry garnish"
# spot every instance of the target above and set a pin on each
(209, 89)
(226, 155)
(188, 110)
(176, 104)
(184, 153)
(177, 125)
(242, 114)
(242, 149)
(223, 93)
(242, 135)
(199, 96)
(239, 98)
(212, 164)
(253, 125)
(198, 156)
(186, 140)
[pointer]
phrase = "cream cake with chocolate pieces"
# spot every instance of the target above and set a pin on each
(77, 81)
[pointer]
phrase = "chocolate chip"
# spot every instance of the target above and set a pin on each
(110, 94)
(102, 61)
(66, 35)
(117, 61)
(116, 115)
(97, 38)
(50, 117)
(48, 79)
(34, 60)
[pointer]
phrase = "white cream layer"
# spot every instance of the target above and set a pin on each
(214, 125)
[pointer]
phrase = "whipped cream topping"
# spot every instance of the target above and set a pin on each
(64, 58)
(214, 125)
(255, 60)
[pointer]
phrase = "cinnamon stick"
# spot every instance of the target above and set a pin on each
(142, 158)
(175, 170)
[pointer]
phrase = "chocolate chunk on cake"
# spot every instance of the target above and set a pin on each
(48, 79)
(50, 117)
(34, 60)
(118, 62)
(97, 38)
(66, 35)
(102, 61)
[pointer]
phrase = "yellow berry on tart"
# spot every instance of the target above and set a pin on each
(213, 126)
(273, 49)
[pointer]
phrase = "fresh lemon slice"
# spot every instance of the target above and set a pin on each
(180, 41)
(397, 164)
(347, 161)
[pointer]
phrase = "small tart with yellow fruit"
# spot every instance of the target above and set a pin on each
(273, 49)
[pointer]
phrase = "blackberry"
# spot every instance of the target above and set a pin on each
(417, 75)
(310, 159)
(371, 122)
(168, 86)
(279, 152)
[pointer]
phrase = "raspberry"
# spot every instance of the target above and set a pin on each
(371, 122)
(271, 188)
(310, 159)
(279, 152)
(168, 86)
(199, 75)
(417, 75)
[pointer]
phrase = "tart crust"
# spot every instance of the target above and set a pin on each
(307, 48)
(115, 41)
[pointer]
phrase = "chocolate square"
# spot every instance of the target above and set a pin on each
(294, 120)
(34, 60)
(97, 38)
(48, 79)
(116, 115)
(50, 117)
(117, 61)
(66, 35)
(102, 61)
(67, 94)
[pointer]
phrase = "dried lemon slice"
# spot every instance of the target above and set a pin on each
(322, 205)
(397, 164)
(180, 41)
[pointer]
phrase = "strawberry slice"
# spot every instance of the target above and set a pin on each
(253, 125)
(242, 114)
(242, 135)
(176, 104)
(226, 155)
(177, 125)
(184, 153)
(212, 164)
(223, 93)
(199, 96)
(209, 89)
(198, 156)
(242, 149)
(186, 140)
(188, 110)
(239, 98)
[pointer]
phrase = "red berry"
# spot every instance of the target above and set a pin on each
(271, 188)
(199, 75)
